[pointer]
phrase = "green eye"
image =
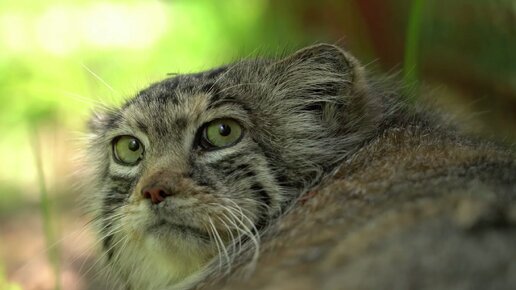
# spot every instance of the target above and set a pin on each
(128, 149)
(221, 133)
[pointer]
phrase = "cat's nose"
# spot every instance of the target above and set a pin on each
(156, 194)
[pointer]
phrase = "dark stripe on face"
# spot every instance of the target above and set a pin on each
(113, 199)
(110, 204)
(237, 169)
(241, 172)
(181, 123)
(279, 174)
(228, 100)
(250, 174)
(204, 182)
(237, 173)
(262, 195)
(107, 236)
(119, 192)
(113, 120)
(142, 126)
(106, 244)
(228, 162)
(218, 98)
(122, 179)
(261, 223)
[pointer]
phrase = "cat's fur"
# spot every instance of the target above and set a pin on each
(397, 200)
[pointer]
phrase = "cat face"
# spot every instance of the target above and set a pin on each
(197, 165)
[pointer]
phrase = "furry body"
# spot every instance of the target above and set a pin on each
(414, 209)
(402, 178)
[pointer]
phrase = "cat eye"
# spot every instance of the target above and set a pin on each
(221, 133)
(128, 150)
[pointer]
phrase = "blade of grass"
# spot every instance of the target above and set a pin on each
(410, 64)
(45, 206)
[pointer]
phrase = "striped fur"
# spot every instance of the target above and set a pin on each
(302, 116)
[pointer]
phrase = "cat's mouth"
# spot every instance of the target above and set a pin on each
(164, 228)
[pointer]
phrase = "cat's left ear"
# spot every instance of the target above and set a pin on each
(324, 80)
(319, 70)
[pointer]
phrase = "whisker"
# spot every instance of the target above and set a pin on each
(99, 259)
(241, 232)
(219, 252)
(99, 78)
(230, 232)
(254, 236)
(120, 251)
(217, 235)
(99, 240)
(113, 218)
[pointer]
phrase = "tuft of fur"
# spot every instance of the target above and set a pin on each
(384, 171)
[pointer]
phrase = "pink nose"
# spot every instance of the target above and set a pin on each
(156, 194)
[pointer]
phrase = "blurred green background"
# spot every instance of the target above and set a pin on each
(59, 59)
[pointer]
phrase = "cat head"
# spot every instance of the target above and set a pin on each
(197, 163)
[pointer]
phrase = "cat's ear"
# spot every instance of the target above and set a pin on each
(320, 70)
(324, 80)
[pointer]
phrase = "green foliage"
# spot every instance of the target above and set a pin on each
(46, 209)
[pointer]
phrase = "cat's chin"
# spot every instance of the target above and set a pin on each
(172, 231)
(177, 238)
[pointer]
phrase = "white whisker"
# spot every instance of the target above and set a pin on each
(99, 78)
(217, 235)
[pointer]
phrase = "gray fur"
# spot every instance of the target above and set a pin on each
(305, 117)
(302, 115)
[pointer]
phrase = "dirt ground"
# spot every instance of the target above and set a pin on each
(24, 252)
